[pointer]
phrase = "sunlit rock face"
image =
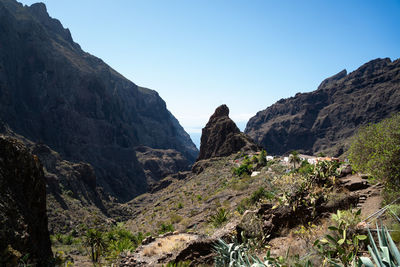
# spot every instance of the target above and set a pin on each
(324, 120)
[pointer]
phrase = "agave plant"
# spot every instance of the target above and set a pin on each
(234, 255)
(387, 255)
(219, 217)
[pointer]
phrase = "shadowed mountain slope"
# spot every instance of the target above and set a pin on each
(23, 219)
(54, 93)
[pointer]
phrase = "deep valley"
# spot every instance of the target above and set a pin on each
(96, 171)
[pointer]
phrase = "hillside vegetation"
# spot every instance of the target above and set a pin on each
(273, 213)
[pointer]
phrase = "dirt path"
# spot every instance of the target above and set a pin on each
(370, 197)
(371, 201)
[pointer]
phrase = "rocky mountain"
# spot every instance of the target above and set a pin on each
(159, 163)
(324, 120)
(221, 137)
(23, 219)
(54, 93)
(71, 192)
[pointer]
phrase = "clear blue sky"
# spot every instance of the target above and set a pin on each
(199, 54)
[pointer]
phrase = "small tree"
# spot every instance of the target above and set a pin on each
(262, 158)
(95, 244)
(294, 158)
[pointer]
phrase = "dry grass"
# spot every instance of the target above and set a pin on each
(299, 241)
(167, 244)
(217, 186)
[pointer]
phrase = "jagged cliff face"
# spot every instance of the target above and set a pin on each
(53, 92)
(325, 119)
(23, 219)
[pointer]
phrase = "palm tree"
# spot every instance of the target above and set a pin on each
(95, 243)
(294, 158)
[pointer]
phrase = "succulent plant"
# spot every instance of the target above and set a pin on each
(387, 255)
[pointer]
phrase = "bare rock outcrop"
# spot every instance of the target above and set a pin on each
(221, 137)
(23, 219)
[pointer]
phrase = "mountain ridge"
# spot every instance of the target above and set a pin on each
(324, 120)
(53, 92)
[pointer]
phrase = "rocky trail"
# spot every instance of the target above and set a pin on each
(369, 195)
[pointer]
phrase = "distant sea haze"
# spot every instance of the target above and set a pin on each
(196, 139)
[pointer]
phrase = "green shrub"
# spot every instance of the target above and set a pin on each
(121, 240)
(305, 168)
(349, 217)
(121, 245)
(243, 169)
(323, 170)
(259, 194)
(242, 206)
(67, 239)
(165, 228)
(341, 245)
(262, 160)
(59, 237)
(60, 259)
(240, 155)
(394, 209)
(376, 150)
(396, 232)
(219, 217)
